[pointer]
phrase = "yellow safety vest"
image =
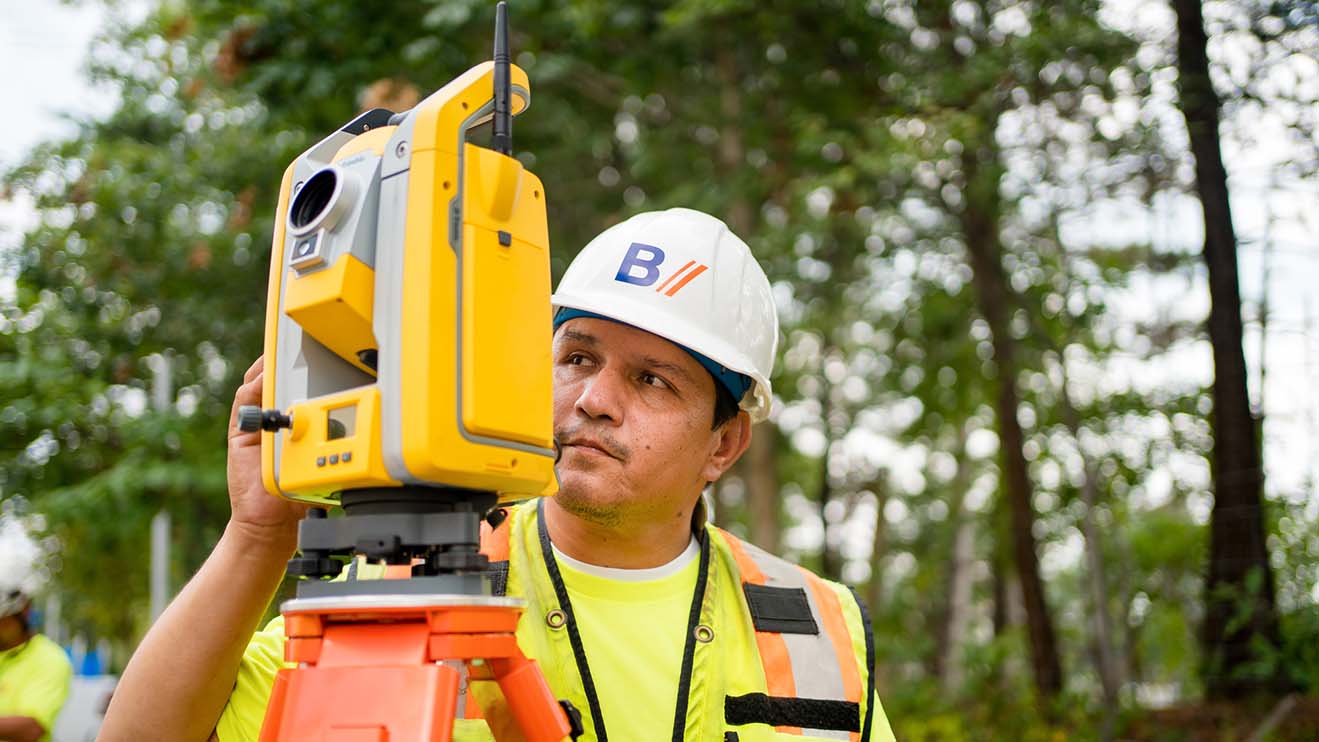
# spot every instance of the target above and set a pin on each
(772, 652)
(34, 681)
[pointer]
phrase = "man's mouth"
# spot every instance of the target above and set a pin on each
(592, 447)
(589, 450)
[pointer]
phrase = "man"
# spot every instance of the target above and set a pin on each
(34, 672)
(652, 622)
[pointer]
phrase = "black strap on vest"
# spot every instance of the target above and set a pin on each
(689, 646)
(807, 713)
(782, 610)
(579, 651)
(574, 638)
(870, 666)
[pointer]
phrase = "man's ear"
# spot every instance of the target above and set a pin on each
(733, 438)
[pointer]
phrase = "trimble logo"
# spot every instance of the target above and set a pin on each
(641, 267)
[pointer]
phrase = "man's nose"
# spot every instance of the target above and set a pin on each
(601, 396)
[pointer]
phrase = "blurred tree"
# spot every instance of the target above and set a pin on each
(1240, 620)
(986, 60)
(980, 216)
(145, 249)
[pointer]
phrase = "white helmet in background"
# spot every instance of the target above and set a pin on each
(22, 565)
(683, 275)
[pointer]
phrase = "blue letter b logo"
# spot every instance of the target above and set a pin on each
(641, 265)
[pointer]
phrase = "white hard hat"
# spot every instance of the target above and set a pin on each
(682, 275)
(22, 565)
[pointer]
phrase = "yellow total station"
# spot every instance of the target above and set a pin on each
(407, 339)
(408, 331)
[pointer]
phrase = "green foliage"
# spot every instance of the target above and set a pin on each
(991, 706)
(1299, 653)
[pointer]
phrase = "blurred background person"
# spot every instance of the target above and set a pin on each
(34, 671)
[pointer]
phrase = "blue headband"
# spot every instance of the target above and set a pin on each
(736, 383)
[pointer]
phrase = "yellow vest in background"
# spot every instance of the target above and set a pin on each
(34, 681)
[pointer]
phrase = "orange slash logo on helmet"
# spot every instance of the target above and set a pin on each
(687, 276)
(640, 267)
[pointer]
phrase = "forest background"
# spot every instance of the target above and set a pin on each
(997, 408)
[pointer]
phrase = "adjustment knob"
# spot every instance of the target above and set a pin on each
(252, 419)
(249, 418)
(316, 565)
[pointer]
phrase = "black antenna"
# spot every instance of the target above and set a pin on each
(502, 139)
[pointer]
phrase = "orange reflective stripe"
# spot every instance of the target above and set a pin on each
(773, 650)
(778, 670)
(750, 572)
(494, 541)
(831, 613)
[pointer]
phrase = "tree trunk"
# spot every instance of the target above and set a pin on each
(960, 594)
(759, 466)
(1239, 573)
(1106, 663)
(878, 545)
(979, 219)
(761, 476)
(998, 613)
(829, 567)
(956, 612)
(1108, 666)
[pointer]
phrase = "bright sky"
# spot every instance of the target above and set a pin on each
(43, 47)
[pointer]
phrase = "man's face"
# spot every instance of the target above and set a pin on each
(632, 414)
(14, 628)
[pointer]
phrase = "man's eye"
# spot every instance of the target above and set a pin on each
(575, 359)
(653, 380)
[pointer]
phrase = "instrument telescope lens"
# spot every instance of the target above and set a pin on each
(314, 200)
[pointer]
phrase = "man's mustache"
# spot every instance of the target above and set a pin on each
(582, 436)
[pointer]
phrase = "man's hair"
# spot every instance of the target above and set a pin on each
(725, 407)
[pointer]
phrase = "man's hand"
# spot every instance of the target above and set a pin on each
(255, 513)
(20, 729)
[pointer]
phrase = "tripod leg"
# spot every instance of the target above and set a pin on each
(538, 714)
